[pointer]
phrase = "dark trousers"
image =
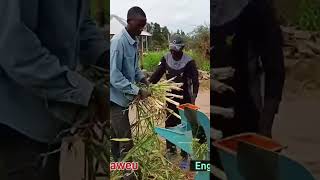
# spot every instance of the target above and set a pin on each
(120, 128)
(265, 125)
(20, 158)
(171, 122)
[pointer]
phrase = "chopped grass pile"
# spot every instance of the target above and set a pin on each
(148, 148)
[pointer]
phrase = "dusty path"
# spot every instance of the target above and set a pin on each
(298, 122)
(297, 126)
(203, 101)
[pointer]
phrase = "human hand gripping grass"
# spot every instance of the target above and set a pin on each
(158, 95)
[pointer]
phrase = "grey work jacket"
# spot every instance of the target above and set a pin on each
(41, 45)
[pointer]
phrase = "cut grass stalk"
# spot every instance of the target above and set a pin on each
(148, 150)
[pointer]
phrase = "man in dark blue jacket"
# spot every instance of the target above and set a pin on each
(245, 35)
(42, 43)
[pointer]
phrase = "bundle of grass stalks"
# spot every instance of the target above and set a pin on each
(149, 153)
(149, 149)
(200, 151)
(94, 134)
(152, 111)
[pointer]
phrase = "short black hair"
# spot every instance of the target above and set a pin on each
(135, 11)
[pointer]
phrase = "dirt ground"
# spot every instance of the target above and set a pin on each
(297, 126)
(298, 122)
(203, 99)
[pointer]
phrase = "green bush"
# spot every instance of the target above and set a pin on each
(152, 59)
(309, 16)
(202, 62)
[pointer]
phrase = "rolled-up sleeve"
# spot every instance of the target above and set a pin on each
(117, 79)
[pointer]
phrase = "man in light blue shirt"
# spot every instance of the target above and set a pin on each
(124, 69)
(124, 74)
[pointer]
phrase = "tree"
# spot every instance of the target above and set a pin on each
(182, 33)
(199, 39)
(159, 37)
(165, 33)
(100, 11)
(156, 36)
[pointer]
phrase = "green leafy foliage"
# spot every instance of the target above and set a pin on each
(309, 18)
(159, 39)
(152, 59)
(149, 149)
(199, 40)
(100, 11)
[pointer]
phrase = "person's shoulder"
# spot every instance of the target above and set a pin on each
(116, 41)
(117, 38)
(162, 60)
(187, 56)
(189, 60)
(166, 56)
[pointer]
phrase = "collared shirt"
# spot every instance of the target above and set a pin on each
(124, 69)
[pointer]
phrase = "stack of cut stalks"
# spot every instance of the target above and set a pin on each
(149, 149)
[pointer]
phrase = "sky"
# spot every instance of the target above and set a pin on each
(175, 14)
